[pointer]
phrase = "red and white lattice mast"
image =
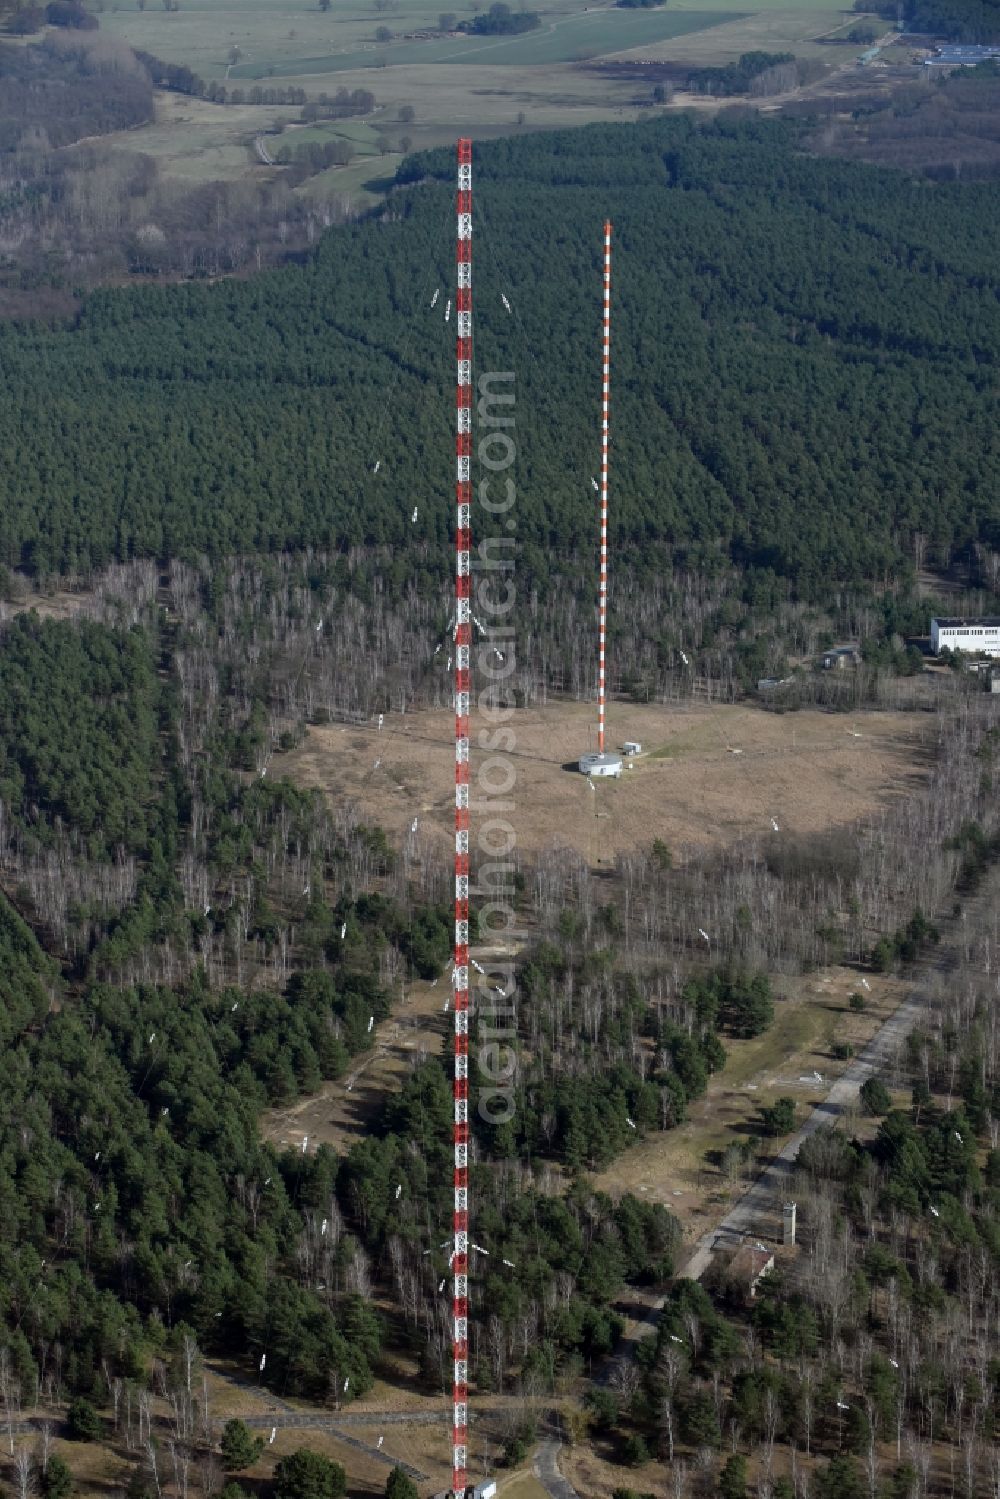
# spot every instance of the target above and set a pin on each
(603, 762)
(602, 592)
(463, 642)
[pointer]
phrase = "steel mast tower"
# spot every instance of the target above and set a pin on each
(602, 592)
(463, 640)
(603, 762)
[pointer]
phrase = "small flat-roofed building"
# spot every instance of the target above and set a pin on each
(975, 636)
(596, 764)
(748, 1267)
(961, 55)
(840, 657)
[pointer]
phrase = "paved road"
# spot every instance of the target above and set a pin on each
(546, 1470)
(771, 1187)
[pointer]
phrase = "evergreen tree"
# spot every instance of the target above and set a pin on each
(57, 1480)
(875, 1096)
(400, 1485)
(84, 1423)
(240, 1447)
(733, 1478)
(308, 1475)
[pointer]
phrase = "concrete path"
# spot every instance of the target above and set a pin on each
(771, 1187)
(546, 1470)
(762, 1200)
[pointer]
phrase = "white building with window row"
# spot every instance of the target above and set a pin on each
(976, 636)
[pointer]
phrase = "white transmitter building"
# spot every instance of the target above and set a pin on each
(976, 636)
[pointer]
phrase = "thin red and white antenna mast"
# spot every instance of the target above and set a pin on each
(463, 641)
(602, 591)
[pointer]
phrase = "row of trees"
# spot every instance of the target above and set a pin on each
(738, 77)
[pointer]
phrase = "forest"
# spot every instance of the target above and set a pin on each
(737, 77)
(500, 20)
(215, 943)
(244, 485)
(797, 342)
(65, 92)
(959, 20)
(78, 208)
(947, 132)
(190, 989)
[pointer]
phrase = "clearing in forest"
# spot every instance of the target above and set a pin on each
(684, 1168)
(341, 1112)
(708, 774)
(689, 788)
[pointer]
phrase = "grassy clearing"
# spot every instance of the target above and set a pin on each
(363, 182)
(361, 136)
(199, 142)
(681, 1168)
(598, 1475)
(521, 1486)
(487, 101)
(803, 768)
(797, 1030)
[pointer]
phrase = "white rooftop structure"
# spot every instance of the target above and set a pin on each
(595, 764)
(979, 636)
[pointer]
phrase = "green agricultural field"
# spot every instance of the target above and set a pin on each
(363, 182)
(293, 38)
(361, 136)
(504, 84)
(269, 33)
(573, 38)
(816, 31)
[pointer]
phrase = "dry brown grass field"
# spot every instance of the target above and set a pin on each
(690, 788)
(708, 774)
(521, 1486)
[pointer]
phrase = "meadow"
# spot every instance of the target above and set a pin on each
(291, 39)
(492, 86)
(572, 38)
